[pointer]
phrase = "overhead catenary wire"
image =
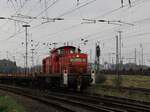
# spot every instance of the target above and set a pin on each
(16, 11)
(104, 31)
(56, 33)
(81, 24)
(39, 25)
(61, 30)
(68, 12)
(19, 31)
(78, 7)
(121, 8)
(12, 4)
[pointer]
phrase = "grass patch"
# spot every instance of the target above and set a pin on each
(7, 104)
(137, 81)
(99, 89)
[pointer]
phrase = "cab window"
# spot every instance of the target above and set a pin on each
(77, 60)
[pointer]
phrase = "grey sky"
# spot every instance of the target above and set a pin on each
(71, 29)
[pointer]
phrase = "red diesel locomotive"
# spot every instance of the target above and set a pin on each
(67, 66)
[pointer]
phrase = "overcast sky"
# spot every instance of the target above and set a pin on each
(135, 27)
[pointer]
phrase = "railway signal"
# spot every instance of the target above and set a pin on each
(65, 78)
(98, 51)
(93, 76)
(97, 60)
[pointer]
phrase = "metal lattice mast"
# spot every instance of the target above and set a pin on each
(26, 49)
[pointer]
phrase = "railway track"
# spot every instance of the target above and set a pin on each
(64, 102)
(122, 104)
(130, 89)
(35, 97)
(75, 102)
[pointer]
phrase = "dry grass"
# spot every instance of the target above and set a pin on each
(136, 81)
(130, 81)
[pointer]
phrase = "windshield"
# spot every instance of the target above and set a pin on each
(77, 60)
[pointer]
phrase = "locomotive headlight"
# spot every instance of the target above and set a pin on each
(93, 76)
(77, 56)
(65, 77)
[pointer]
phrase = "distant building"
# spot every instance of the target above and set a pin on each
(7, 66)
(127, 66)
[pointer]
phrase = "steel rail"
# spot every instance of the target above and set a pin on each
(37, 98)
(65, 104)
(114, 102)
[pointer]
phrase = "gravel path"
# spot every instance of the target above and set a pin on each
(29, 104)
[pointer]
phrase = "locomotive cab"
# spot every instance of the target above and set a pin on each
(78, 63)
